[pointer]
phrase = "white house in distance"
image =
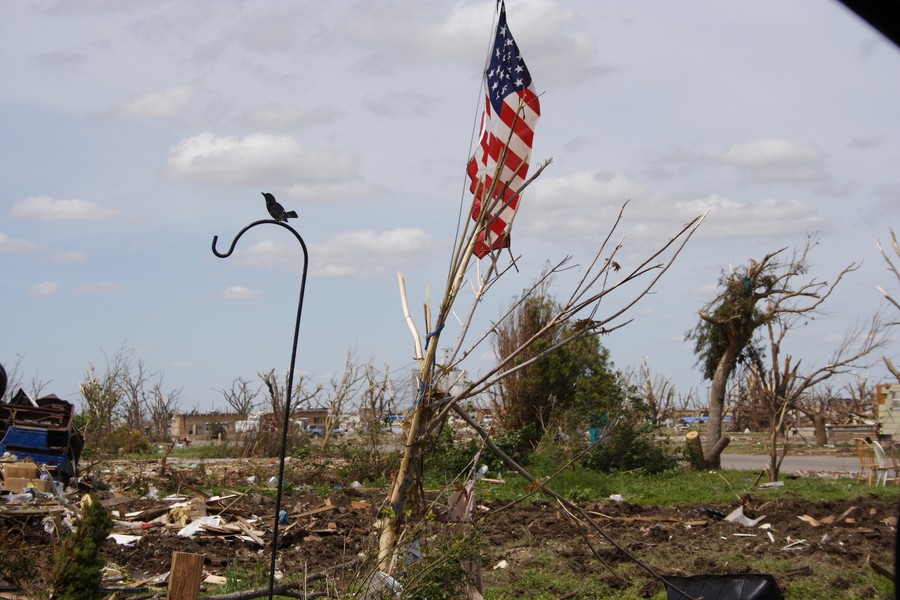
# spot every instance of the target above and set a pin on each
(887, 409)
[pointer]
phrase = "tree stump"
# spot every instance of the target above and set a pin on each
(695, 450)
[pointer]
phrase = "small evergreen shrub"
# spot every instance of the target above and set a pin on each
(77, 570)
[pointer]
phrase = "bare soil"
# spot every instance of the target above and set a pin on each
(331, 525)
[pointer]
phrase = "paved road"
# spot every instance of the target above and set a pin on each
(793, 464)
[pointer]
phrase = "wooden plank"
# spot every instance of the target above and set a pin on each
(185, 576)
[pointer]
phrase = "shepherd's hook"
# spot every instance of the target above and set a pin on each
(290, 385)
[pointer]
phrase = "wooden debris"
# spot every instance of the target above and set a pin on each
(695, 523)
(884, 572)
(186, 575)
(845, 513)
(808, 519)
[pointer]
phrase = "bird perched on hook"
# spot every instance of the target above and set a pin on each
(276, 210)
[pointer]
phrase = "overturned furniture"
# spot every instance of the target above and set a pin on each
(42, 430)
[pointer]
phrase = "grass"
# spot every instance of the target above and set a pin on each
(542, 573)
(544, 584)
(684, 487)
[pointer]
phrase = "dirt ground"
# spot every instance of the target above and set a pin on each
(334, 524)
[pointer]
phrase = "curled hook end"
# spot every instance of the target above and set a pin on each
(216, 252)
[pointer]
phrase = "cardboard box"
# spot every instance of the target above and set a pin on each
(27, 470)
(17, 485)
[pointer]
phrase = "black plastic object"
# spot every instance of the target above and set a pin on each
(744, 586)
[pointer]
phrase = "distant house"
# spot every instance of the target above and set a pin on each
(203, 426)
(887, 410)
(196, 426)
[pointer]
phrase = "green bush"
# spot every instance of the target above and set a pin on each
(445, 459)
(439, 574)
(631, 445)
(121, 440)
(548, 456)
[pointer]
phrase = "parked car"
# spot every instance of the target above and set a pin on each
(315, 431)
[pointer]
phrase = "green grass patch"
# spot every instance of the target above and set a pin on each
(684, 487)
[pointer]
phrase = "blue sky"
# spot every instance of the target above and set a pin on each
(136, 130)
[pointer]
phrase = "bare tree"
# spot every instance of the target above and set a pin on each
(342, 392)
(13, 379)
(161, 408)
(759, 294)
(861, 396)
(817, 405)
(100, 401)
(267, 443)
(782, 382)
(602, 278)
(240, 397)
(657, 391)
(892, 267)
(38, 386)
(133, 384)
(376, 399)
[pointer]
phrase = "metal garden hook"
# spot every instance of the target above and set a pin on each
(290, 385)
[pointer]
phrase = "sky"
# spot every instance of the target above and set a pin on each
(136, 130)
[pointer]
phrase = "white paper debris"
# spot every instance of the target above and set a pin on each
(124, 539)
(192, 528)
(737, 516)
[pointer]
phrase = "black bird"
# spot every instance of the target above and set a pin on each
(276, 210)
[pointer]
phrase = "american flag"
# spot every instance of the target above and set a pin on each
(511, 111)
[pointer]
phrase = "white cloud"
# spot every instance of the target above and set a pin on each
(168, 104)
(580, 204)
(45, 288)
(584, 205)
(366, 253)
(550, 37)
(66, 258)
(256, 159)
(268, 253)
(100, 287)
(277, 116)
(401, 105)
(9, 245)
(238, 292)
(584, 188)
(777, 160)
(329, 192)
(48, 209)
(766, 218)
(352, 254)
